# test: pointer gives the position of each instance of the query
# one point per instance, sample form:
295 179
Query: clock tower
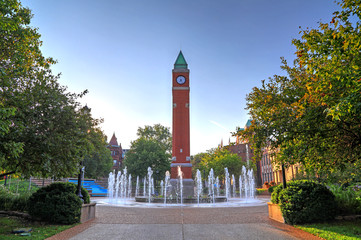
180 130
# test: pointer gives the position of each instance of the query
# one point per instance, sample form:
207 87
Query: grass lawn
39 231
337 230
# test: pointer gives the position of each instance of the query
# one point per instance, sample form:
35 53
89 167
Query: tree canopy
44 130
218 159
313 114
159 133
151 149
98 162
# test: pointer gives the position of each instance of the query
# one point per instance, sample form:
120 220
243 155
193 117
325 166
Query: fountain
120 189
166 185
137 187
161 187
180 177
144 186
211 185
110 185
150 181
233 186
240 186
199 185
218 187
227 182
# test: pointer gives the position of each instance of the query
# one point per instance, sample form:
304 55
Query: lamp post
80 180
284 176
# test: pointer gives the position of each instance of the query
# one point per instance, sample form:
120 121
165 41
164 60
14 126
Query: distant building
267 169
116 152
243 149
124 153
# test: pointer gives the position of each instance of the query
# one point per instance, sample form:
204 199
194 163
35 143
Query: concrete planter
87 212
274 212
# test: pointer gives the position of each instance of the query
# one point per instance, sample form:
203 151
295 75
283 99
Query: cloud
218 124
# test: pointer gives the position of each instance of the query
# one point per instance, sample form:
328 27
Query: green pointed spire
180 63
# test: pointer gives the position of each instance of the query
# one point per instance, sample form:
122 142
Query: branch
8 173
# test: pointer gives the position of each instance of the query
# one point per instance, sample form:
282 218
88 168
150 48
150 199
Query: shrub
305 202
347 199
85 194
276 194
56 203
271 188
272 183
260 191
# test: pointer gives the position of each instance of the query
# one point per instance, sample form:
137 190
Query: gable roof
113 140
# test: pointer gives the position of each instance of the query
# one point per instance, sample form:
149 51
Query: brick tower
180 134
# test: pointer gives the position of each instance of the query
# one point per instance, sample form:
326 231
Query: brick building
243 149
116 152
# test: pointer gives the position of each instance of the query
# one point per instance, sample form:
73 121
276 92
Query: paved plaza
182 223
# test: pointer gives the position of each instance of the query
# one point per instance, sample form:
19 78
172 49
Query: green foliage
159 133
348 199
271 188
13 202
20 186
260 191
99 162
10 149
340 230
312 116
56 203
306 202
86 196
218 159
49 134
275 197
149 150
196 162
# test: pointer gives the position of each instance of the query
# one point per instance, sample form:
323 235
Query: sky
123 52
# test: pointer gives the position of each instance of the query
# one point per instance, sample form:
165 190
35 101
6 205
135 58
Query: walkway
182 224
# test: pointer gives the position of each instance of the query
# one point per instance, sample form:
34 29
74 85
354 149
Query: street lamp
80 180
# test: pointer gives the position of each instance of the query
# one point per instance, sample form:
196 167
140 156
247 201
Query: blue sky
123 52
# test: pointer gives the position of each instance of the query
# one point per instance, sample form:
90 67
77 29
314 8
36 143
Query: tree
10 149
48 134
151 149
196 162
312 116
146 153
218 159
158 133
98 162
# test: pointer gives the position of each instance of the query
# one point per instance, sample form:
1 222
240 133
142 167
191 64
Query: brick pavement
182 223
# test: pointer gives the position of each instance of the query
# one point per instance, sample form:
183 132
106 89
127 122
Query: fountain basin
185 200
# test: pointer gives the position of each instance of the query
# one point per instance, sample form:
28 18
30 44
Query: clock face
181 79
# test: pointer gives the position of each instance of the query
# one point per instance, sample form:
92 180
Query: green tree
196 162
312 116
9 149
218 159
98 163
49 130
151 149
146 153
159 133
